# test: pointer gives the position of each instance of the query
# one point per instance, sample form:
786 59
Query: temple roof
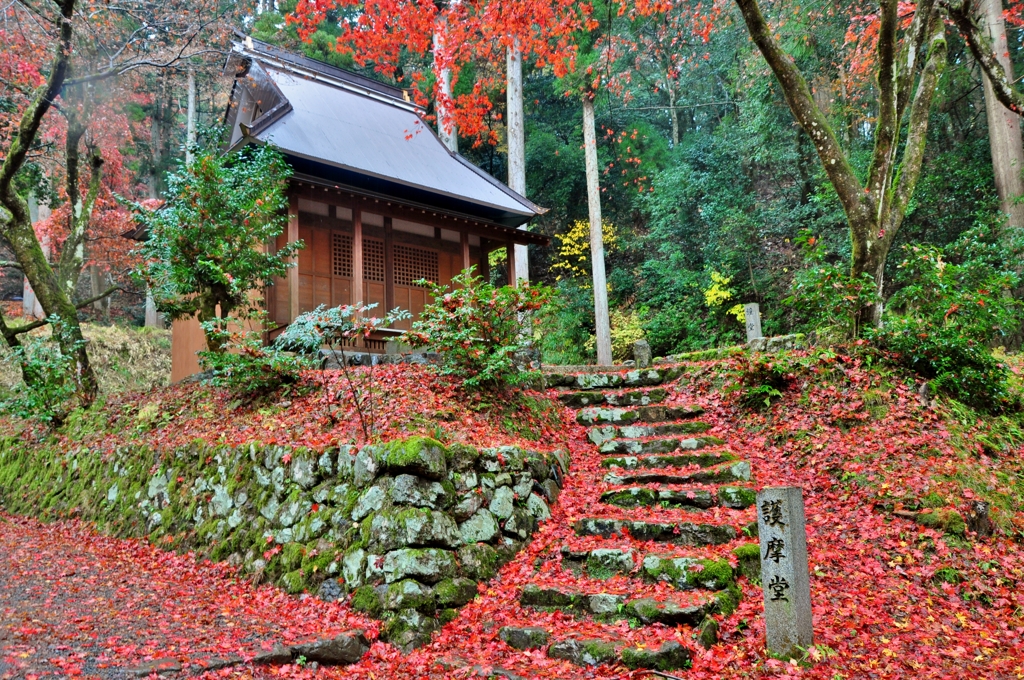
350 130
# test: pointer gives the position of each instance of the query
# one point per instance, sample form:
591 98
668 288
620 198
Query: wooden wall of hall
325 266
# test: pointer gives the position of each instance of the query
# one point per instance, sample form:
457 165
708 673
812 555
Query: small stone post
752 313
642 353
787 593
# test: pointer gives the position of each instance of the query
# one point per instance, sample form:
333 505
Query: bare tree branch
11 332
963 14
798 95
917 125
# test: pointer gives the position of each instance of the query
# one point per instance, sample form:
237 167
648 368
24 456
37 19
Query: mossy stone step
662 445
581 651
646 377
680 533
738 471
687 573
605 433
680 571
642 496
735 497
704 460
644 414
671 610
632 398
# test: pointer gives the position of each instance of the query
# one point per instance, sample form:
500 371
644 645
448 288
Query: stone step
679 533
581 651
738 471
605 433
594 415
645 377
735 497
672 610
662 445
680 571
632 398
704 460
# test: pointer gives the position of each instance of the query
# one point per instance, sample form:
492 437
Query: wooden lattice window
412 264
341 251
373 260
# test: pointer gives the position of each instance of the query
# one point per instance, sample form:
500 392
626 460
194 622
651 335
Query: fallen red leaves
72 600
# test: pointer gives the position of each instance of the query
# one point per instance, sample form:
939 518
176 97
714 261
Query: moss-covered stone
585 652
631 498
409 594
292 554
748 558
455 592
949 521
400 527
605 563
523 638
667 611
707 633
462 457
367 599
727 599
420 456
670 656
409 629
686 573
429 565
478 561
294 581
736 497
548 598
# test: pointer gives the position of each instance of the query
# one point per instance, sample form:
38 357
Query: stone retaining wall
408 527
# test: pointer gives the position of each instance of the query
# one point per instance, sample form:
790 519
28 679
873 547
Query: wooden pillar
464 239
357 256
510 248
485 266
389 266
293 272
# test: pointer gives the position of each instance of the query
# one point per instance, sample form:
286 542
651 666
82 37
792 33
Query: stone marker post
787 593
642 353
752 313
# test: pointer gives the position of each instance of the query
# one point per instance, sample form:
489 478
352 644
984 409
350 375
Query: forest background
712 195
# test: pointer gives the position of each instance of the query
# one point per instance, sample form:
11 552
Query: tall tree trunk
95 288
673 110
445 125
1004 135
603 326
190 120
517 143
156 153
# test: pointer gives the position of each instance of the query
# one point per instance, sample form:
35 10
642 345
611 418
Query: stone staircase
658 459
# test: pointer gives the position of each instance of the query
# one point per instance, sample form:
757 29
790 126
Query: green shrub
955 363
248 368
953 304
201 258
48 392
478 328
826 294
565 327
761 381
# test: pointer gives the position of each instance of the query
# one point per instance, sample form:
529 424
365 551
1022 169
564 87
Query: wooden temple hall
376 197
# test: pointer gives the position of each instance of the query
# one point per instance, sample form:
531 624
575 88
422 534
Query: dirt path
77 604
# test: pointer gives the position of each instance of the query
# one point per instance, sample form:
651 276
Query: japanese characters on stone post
752 314
784 576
